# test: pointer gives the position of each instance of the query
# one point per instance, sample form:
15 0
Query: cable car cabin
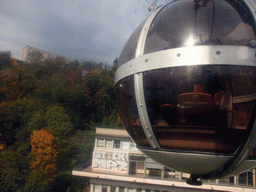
189 116
186 86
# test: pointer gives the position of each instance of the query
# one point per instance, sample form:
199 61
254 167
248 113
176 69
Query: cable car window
129 112
128 52
189 23
200 108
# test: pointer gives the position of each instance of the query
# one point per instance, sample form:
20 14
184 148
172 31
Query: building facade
29 52
118 166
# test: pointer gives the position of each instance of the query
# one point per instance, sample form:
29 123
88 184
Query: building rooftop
107 132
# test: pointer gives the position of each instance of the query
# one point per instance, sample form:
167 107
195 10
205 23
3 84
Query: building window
100 142
113 189
109 143
169 173
117 144
126 145
136 165
246 178
132 168
121 189
96 188
153 168
130 189
104 188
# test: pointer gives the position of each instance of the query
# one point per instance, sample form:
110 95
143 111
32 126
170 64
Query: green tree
57 122
115 62
55 97
5 59
13 169
74 65
36 57
90 65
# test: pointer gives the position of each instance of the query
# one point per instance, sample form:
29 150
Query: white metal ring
186 56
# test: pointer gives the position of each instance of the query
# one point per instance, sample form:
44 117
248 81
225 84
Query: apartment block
28 52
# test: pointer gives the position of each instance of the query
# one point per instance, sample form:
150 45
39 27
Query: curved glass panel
252 154
128 111
202 22
200 108
128 52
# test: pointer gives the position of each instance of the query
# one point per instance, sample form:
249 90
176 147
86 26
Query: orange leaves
14 91
43 148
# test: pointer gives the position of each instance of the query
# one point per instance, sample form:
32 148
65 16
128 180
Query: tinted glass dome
190 107
195 22
206 22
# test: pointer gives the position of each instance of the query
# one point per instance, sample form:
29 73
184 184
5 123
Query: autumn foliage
45 154
45 109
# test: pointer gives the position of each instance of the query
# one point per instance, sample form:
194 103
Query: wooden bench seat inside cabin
198 139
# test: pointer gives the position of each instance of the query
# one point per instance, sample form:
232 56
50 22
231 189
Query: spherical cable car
186 87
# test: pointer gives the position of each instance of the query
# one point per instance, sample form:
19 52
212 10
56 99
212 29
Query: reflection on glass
128 52
202 22
252 154
200 108
129 112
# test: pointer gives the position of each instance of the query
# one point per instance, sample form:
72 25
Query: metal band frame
252 6
138 84
143 114
185 56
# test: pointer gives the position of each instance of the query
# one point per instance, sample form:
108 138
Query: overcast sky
77 29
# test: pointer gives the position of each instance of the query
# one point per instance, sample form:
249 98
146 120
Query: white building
118 166
28 51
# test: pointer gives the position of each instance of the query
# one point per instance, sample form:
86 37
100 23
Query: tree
74 65
13 92
36 57
5 59
53 101
90 65
44 165
56 121
55 65
115 61
13 169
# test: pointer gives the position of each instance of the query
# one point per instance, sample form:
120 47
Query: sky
94 30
